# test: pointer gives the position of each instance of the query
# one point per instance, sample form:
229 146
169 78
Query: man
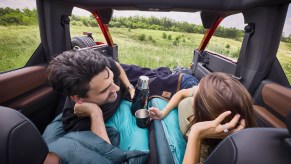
92 83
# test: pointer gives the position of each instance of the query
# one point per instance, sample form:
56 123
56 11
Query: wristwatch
130 87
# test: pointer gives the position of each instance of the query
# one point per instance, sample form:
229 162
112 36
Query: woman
219 98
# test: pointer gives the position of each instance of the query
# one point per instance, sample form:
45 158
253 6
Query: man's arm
97 121
124 80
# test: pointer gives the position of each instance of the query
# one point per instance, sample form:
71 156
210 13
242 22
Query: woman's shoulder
186 104
190 91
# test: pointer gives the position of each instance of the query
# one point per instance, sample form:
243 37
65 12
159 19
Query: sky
233 21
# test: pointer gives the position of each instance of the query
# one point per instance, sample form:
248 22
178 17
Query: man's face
102 88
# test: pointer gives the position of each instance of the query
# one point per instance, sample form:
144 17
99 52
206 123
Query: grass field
146 48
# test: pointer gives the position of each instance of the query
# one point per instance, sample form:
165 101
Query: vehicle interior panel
166 5
31 98
43 111
217 63
20 81
275 99
31 104
207 62
265 118
26 91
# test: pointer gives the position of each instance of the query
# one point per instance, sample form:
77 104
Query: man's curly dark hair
71 71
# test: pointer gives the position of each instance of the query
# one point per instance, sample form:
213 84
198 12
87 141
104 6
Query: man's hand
213 129
131 92
155 113
95 113
87 109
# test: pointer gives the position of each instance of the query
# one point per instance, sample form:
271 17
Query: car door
26 90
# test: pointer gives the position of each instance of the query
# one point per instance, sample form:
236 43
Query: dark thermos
141 94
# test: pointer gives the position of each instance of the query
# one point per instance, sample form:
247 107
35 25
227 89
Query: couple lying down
222 106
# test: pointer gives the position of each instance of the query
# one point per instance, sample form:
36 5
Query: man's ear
77 99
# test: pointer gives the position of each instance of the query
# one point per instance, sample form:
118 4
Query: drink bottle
141 94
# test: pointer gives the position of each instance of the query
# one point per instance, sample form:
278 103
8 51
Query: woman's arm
192 153
124 80
209 129
174 102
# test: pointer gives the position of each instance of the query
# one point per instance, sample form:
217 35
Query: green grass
17 44
156 52
284 56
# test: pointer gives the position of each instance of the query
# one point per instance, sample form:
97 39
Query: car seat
255 145
20 140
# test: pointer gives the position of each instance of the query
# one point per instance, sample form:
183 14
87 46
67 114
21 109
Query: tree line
166 24
26 16
154 23
10 16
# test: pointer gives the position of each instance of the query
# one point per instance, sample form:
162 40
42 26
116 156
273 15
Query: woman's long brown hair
219 92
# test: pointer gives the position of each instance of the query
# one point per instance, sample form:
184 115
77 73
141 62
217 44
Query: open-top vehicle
258 69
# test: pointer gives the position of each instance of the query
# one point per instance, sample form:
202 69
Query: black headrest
253 145
20 140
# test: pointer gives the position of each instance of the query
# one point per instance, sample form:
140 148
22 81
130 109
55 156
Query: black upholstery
20 141
254 145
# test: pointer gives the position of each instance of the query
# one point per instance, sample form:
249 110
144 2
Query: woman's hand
209 129
87 109
213 129
155 113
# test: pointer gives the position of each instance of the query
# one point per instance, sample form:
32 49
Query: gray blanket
86 147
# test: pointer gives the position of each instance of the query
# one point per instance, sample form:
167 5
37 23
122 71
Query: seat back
20 140
255 145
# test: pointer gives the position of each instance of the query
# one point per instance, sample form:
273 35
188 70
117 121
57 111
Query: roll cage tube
208 34
104 28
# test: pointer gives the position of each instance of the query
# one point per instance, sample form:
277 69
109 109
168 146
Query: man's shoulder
113 67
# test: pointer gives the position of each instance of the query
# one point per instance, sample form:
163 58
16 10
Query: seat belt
249 31
66 25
